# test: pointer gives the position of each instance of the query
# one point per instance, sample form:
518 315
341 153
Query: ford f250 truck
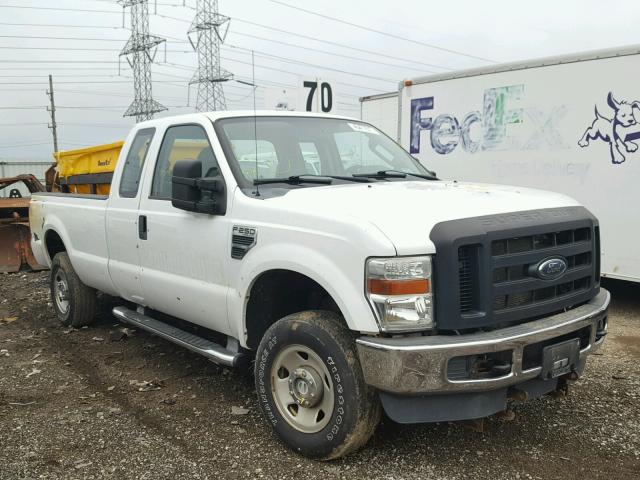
351 276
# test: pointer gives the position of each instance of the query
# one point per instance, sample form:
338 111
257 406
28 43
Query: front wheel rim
61 292
302 389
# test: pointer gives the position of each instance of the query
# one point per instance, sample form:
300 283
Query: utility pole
211 30
140 52
52 108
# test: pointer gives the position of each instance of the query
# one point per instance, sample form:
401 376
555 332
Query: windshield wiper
310 178
393 174
296 180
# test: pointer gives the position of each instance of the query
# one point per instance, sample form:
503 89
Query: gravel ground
87 404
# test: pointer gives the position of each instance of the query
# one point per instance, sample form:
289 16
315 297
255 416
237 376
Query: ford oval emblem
551 268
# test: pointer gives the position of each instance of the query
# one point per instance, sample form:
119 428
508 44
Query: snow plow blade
15 235
15 249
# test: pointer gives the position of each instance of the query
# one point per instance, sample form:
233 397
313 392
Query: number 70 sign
319 96
311 96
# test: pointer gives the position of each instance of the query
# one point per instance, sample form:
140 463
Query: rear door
122 218
184 254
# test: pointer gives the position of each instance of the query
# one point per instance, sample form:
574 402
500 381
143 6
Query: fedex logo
486 130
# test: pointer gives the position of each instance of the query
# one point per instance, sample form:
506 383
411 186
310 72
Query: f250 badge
243 238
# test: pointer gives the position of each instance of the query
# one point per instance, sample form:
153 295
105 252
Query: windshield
282 147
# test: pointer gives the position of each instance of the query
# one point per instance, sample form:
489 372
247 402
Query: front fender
330 272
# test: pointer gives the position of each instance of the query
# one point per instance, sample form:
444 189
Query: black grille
467 272
487 267
518 287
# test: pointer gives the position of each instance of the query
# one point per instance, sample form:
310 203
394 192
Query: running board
209 349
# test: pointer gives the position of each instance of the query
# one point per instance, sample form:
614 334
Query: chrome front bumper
419 365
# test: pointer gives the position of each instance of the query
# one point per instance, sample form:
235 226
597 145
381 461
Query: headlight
399 290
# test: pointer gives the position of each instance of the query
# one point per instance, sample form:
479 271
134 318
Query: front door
183 256
122 219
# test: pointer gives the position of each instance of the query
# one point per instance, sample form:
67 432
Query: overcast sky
80 48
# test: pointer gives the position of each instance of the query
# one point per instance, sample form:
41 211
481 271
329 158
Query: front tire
73 301
311 388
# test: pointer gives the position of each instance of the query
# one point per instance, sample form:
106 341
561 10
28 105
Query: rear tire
73 301
311 388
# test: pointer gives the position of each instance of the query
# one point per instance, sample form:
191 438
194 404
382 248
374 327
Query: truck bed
79 219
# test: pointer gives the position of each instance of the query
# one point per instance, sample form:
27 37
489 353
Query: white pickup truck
351 276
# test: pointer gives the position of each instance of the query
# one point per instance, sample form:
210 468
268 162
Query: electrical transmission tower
140 51
211 30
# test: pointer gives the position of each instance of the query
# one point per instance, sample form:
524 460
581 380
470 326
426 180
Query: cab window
182 142
132 170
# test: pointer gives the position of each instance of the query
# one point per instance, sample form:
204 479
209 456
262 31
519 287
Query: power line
73 107
31 107
380 32
84 39
315 65
248 22
25 145
183 5
64 69
259 54
83 82
59 9
105 94
341 45
297 74
59 61
96 125
23 124
62 76
412 61
57 25
349 57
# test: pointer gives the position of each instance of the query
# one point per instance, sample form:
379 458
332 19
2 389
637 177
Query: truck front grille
487 267
514 282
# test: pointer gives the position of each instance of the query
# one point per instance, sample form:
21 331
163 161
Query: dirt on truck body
15 234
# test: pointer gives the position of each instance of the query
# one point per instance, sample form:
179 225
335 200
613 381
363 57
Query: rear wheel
73 301
311 388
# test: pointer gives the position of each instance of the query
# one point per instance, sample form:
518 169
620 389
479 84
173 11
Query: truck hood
405 212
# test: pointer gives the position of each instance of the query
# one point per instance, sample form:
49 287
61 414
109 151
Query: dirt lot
88 404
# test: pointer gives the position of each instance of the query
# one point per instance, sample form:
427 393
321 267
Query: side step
209 349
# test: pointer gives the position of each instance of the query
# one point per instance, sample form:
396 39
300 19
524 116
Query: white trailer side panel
382 112
527 127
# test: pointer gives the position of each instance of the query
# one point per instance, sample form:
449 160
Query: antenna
255 117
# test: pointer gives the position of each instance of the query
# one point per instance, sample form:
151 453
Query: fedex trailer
569 124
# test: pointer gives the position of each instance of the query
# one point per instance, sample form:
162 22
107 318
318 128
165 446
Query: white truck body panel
80 225
524 124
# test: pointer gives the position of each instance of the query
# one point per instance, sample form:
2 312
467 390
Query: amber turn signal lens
398 287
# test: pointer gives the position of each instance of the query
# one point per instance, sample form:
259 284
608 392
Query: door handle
142 227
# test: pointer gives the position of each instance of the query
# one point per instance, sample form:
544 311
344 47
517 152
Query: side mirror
194 193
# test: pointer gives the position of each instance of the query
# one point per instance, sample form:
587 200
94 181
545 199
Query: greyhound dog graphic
611 130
